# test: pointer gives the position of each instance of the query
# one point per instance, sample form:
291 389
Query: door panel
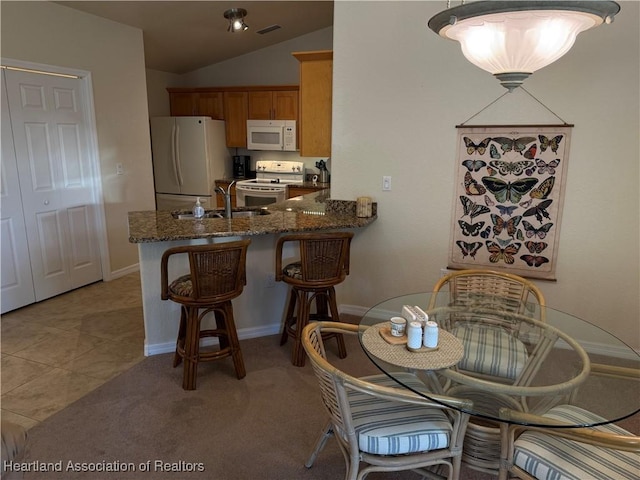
165 175
16 283
55 177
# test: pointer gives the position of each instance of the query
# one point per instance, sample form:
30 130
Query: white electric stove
270 184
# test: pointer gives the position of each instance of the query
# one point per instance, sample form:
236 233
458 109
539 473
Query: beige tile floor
58 350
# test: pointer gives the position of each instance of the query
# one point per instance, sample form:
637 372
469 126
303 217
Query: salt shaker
414 335
430 335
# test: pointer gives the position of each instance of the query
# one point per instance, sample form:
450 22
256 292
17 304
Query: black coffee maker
241 166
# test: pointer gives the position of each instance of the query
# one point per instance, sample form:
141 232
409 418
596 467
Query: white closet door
16 283
56 181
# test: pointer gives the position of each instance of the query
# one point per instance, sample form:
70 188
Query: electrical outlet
119 169
386 183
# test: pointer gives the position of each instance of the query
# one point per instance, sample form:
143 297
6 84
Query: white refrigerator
189 154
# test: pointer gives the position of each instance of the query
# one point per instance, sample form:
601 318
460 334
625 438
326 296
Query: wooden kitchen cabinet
273 105
206 104
234 105
236 108
316 84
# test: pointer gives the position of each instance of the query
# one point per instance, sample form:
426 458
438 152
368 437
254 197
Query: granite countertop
315 211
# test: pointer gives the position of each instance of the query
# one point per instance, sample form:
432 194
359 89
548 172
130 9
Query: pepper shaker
431 335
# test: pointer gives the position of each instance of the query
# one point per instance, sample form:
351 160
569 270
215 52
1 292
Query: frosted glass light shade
511 40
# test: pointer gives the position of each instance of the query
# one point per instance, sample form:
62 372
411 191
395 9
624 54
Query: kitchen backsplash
309 162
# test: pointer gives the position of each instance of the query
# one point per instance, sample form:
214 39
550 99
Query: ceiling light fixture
513 39
236 20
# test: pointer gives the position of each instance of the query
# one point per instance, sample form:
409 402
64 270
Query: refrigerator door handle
173 153
176 159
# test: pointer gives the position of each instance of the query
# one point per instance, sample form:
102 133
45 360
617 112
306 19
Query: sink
235 213
187 215
248 213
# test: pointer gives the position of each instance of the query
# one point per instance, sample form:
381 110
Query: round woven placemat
449 352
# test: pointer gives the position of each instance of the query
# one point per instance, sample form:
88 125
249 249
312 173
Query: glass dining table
513 361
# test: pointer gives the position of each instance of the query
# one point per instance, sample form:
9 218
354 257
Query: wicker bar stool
217 275
324 263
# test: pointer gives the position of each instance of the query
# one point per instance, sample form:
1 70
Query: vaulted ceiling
181 36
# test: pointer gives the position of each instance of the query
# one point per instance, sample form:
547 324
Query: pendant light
513 39
236 20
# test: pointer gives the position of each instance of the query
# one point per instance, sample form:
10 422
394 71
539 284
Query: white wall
399 92
46 33
273 65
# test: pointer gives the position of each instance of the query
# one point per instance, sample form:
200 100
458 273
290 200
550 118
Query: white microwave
271 135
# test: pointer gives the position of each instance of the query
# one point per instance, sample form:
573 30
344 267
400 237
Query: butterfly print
469 248
531 231
471 186
516 168
500 224
539 210
516 144
534 260
543 190
503 242
535 247
491 171
474 165
471 208
526 204
488 202
544 167
509 191
530 171
531 152
485 233
470 229
480 147
553 143
506 254
493 152
504 210
520 235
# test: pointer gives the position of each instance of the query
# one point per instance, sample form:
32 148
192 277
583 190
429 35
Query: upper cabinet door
316 84
211 104
273 105
236 106
260 105
285 105
182 103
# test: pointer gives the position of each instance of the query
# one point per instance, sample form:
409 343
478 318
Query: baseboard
122 272
243 334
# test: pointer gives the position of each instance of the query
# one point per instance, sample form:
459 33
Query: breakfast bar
259 310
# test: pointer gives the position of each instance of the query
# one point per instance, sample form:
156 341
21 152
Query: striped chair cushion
293 270
181 286
490 350
552 458
393 428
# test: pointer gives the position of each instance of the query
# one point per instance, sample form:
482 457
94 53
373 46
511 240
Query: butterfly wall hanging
509 195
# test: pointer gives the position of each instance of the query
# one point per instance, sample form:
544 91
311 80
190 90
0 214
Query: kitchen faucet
227 198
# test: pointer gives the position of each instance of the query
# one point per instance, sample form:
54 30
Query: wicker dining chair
485 353
386 428
604 452
217 275
323 264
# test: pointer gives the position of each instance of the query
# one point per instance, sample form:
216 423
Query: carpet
143 425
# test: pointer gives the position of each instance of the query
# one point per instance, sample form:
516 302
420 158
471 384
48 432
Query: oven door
248 195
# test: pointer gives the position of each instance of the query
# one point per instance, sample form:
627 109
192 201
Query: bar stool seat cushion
549 457
386 427
490 350
293 270
182 286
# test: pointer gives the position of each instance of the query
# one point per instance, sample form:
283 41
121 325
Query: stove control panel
275 166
